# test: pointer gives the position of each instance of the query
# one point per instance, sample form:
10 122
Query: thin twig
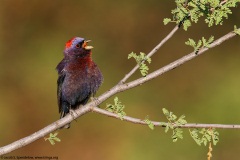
153 51
163 124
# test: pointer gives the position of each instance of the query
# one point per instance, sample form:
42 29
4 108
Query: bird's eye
78 46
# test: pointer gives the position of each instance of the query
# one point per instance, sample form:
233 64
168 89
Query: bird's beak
85 46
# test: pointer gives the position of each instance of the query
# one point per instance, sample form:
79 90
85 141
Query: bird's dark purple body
78 76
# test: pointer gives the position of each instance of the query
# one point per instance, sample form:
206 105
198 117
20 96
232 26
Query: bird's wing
59 90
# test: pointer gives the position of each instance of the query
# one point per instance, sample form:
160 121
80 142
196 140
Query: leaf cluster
141 59
200 44
189 11
236 30
53 138
117 108
149 123
173 124
205 136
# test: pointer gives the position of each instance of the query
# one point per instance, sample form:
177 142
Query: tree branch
119 88
164 124
184 59
153 51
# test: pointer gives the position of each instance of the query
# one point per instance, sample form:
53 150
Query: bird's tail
64 111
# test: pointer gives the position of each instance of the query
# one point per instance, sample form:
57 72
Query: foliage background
32 38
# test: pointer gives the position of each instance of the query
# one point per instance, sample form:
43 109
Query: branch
164 124
118 88
184 59
154 50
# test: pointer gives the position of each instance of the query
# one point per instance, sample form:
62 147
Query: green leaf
165 111
117 108
207 136
211 39
177 133
215 137
194 134
132 54
52 138
204 41
204 140
198 45
236 30
172 117
191 43
173 124
186 24
141 59
181 120
166 128
55 134
51 141
201 43
57 139
149 123
166 21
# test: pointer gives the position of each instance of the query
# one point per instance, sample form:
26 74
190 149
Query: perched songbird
78 76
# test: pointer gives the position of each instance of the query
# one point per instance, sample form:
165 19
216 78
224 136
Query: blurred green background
206 89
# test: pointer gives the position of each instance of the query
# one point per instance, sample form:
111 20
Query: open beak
85 46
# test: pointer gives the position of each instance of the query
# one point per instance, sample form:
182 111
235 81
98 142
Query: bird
79 77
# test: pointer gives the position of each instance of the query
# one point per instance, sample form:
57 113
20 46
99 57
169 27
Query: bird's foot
73 113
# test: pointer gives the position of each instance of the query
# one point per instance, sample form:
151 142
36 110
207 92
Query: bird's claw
72 112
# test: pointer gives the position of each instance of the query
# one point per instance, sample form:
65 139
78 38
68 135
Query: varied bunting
78 76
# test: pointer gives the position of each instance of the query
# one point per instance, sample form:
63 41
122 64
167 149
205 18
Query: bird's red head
77 46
